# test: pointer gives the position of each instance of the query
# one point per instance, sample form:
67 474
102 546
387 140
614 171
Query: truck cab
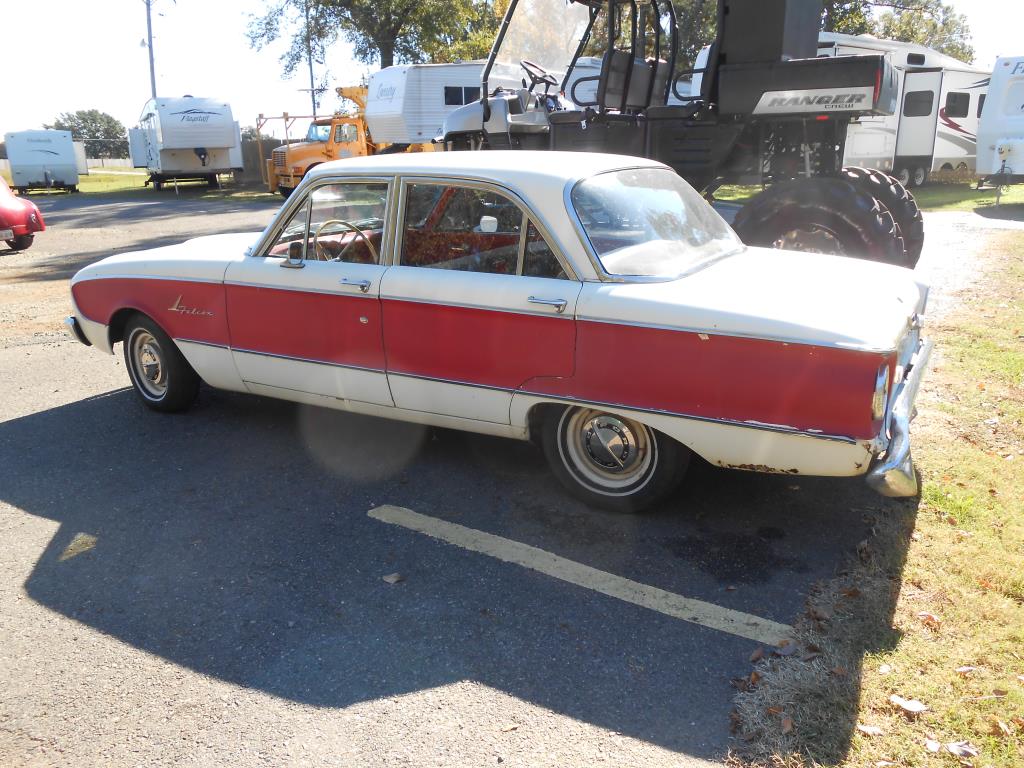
328 138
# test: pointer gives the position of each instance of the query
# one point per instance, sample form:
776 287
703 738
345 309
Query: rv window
915 59
918 103
456 96
958 104
981 104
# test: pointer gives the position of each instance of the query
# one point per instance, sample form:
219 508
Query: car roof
519 166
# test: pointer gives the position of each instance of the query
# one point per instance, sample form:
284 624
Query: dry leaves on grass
998 728
911 707
930 620
932 745
869 730
963 749
965 670
787 724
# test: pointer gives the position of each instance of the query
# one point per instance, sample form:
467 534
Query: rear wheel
899 202
903 176
822 215
919 176
610 461
21 242
159 372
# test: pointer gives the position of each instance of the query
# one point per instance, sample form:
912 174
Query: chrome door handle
558 304
362 285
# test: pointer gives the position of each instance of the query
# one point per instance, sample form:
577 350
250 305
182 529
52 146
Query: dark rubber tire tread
671 463
21 242
901 204
862 225
182 380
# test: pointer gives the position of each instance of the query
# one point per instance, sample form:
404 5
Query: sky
66 55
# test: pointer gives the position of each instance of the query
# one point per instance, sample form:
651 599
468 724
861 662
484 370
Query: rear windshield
648 222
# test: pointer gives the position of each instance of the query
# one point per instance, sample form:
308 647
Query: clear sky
64 55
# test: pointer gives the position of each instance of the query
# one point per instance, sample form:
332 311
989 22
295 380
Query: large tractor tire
822 215
901 204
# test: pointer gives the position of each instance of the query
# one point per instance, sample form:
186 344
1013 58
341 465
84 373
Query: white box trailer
1001 132
42 160
936 125
188 138
408 103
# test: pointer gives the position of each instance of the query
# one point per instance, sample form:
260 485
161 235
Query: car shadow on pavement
234 541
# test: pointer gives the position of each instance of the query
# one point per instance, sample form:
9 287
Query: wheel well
535 419
115 329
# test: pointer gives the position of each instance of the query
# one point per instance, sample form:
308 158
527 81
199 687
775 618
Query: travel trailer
186 139
42 160
936 125
1001 132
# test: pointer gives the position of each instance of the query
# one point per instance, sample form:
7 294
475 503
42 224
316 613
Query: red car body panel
18 214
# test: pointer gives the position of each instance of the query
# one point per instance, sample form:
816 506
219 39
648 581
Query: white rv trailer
42 160
1001 133
80 160
190 138
407 103
936 126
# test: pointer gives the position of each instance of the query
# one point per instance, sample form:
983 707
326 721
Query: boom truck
768 113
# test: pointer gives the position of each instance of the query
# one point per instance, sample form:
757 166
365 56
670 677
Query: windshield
545 32
648 222
318 132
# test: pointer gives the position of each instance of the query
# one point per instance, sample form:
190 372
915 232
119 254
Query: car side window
538 259
467 229
342 221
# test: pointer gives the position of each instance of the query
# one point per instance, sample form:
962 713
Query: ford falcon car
594 304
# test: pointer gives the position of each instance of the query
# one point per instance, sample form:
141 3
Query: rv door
915 141
137 147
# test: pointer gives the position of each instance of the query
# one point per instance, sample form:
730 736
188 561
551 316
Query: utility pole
309 59
149 45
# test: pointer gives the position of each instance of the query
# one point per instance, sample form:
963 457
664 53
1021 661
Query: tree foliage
929 22
104 135
380 31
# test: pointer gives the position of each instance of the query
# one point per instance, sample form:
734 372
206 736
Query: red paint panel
795 385
184 309
324 327
496 349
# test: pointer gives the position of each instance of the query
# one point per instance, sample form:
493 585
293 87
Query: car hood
201 258
794 297
15 211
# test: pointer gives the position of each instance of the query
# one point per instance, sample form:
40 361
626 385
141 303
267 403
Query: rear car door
304 311
479 303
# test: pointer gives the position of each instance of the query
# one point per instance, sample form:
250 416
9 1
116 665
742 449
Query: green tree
850 17
380 31
104 135
929 22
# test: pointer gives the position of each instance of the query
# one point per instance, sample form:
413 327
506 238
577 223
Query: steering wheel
537 74
321 252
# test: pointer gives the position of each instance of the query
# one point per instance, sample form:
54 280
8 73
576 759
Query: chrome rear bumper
893 473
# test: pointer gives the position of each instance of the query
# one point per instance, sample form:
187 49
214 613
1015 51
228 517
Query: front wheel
610 461
21 242
159 372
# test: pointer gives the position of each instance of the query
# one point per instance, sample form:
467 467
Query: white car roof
513 167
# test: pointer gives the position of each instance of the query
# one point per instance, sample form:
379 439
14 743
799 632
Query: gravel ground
206 590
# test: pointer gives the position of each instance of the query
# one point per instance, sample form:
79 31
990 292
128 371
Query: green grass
932 197
132 182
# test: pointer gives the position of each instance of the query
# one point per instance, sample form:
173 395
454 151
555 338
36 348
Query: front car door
304 309
478 305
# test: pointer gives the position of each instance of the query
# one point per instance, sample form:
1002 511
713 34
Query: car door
304 310
478 305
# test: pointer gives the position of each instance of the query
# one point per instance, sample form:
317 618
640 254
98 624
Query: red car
19 219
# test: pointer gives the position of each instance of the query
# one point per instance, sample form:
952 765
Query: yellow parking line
679 607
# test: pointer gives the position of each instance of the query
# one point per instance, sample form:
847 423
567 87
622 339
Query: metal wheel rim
607 452
812 240
148 364
919 176
903 176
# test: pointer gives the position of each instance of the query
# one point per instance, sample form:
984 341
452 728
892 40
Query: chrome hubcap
147 359
606 451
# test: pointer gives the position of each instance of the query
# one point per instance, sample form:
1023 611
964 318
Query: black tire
285 192
822 215
158 185
900 203
172 385
662 461
213 182
903 176
918 177
21 242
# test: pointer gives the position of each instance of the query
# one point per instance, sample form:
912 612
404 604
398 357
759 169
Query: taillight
878 85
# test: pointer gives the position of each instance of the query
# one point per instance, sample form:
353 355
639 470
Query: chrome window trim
588 247
299 197
489 186
293 289
480 307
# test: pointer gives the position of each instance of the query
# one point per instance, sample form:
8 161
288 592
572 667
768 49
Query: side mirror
488 224
294 260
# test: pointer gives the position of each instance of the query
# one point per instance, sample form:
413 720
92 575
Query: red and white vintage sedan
593 303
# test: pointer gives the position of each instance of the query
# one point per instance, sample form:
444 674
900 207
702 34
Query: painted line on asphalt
705 614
